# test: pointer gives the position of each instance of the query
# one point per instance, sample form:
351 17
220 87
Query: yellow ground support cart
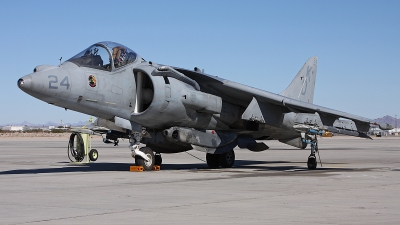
78 148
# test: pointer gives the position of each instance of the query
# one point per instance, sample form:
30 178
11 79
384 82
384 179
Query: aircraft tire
93 155
139 161
157 159
312 162
212 160
227 159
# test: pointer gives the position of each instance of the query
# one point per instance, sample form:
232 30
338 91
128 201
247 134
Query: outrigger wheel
312 162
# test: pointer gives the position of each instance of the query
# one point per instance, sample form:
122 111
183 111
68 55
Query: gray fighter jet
170 109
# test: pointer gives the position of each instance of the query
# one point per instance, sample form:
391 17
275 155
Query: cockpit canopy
105 56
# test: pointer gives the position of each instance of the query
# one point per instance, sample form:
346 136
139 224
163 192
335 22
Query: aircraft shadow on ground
106 167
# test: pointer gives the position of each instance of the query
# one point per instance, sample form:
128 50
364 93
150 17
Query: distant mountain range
386 119
390 120
26 123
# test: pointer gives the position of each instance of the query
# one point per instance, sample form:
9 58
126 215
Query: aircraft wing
244 95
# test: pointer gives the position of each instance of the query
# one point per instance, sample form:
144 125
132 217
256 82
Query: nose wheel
147 164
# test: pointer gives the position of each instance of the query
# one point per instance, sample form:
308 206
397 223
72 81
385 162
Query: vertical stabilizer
302 86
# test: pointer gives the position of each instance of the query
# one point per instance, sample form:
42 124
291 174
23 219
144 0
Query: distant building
13 128
395 131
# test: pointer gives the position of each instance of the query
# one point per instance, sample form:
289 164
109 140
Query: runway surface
359 183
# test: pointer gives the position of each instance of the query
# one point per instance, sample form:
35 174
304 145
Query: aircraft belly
274 133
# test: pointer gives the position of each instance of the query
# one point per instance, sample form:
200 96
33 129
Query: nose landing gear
148 163
143 156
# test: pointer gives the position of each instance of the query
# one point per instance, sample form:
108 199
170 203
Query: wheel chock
156 168
136 168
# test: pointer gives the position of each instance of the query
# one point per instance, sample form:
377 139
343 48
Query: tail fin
302 86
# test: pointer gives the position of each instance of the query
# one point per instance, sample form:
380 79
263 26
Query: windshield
104 56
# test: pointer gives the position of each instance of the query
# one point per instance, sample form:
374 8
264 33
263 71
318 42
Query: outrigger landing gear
313 141
309 134
312 160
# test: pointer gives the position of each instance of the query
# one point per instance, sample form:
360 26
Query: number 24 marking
54 81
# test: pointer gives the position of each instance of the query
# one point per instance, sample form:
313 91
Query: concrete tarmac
359 183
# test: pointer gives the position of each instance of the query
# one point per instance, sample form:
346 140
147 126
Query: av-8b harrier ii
170 109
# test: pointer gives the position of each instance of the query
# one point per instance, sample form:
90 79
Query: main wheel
212 160
227 159
93 155
157 159
312 162
147 165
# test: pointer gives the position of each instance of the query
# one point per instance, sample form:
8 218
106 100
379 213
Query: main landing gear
225 160
146 158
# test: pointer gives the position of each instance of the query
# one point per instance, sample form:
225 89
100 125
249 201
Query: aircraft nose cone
25 82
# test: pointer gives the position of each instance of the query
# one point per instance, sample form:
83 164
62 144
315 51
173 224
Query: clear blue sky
262 44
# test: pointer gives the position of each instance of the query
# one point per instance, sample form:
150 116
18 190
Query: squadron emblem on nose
92 81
